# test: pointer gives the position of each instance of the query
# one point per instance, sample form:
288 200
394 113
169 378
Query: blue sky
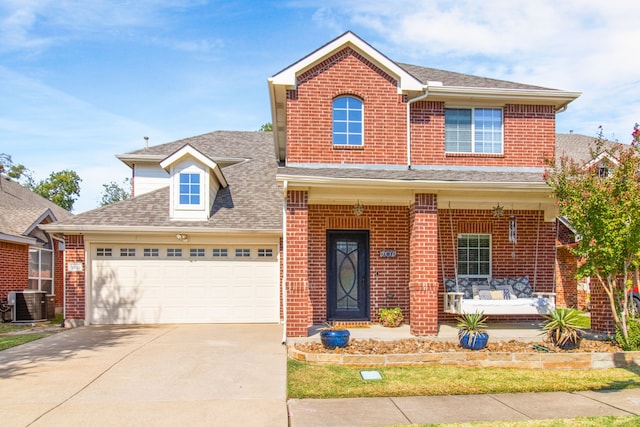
83 80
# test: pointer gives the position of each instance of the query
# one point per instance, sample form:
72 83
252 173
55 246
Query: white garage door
187 284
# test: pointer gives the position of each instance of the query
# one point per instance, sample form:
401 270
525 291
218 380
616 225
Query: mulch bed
413 345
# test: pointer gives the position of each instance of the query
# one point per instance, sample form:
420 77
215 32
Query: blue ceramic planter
334 338
474 342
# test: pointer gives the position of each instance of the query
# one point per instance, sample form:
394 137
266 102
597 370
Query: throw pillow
521 286
475 289
484 294
497 294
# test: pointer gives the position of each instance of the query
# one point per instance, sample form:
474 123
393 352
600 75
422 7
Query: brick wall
309 113
423 281
508 260
75 281
58 279
601 314
14 268
298 302
389 277
566 282
529 137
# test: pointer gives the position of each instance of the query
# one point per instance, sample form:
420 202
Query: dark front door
348 275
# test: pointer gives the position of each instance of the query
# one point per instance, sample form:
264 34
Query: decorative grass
9 341
307 380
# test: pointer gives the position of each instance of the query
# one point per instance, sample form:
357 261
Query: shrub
633 326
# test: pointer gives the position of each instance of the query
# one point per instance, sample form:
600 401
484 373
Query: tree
267 127
62 188
113 192
16 172
601 199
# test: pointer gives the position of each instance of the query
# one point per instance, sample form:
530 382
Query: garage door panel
172 290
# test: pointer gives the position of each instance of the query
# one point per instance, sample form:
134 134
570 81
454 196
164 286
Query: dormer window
190 189
347 121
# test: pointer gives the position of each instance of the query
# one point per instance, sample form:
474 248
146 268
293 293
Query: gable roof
578 147
250 202
188 150
412 80
21 210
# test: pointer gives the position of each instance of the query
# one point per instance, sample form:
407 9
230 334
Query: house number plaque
388 253
74 266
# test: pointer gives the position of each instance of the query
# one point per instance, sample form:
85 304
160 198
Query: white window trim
476 276
347 133
192 170
473 129
39 277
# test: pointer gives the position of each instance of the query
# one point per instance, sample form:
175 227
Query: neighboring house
387 179
30 258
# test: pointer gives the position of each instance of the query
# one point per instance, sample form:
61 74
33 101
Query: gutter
409 102
284 260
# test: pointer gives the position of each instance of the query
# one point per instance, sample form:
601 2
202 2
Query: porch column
298 301
601 315
423 265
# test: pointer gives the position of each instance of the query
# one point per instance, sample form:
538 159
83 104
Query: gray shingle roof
449 78
20 208
436 175
577 147
252 201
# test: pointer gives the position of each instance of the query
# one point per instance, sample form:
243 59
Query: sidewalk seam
577 393
495 397
98 376
401 411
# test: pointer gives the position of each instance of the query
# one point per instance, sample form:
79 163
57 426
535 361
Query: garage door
186 284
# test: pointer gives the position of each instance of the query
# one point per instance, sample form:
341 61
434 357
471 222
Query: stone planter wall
480 359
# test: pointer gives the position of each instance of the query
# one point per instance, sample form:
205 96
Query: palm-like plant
471 326
562 327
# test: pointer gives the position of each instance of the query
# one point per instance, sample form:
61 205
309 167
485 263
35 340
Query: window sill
348 147
485 155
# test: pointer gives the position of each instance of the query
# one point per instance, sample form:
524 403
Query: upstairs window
347 121
189 189
473 130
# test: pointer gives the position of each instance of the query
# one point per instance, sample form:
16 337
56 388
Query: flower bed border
480 359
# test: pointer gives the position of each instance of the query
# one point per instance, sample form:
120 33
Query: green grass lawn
9 341
574 422
307 380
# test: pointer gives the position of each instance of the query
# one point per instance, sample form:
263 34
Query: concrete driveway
165 375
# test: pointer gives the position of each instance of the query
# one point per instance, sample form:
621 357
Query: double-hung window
473 130
41 269
347 121
474 255
189 189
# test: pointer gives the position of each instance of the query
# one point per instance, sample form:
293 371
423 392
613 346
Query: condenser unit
28 306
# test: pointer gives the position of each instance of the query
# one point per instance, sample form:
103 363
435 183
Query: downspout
409 102
284 261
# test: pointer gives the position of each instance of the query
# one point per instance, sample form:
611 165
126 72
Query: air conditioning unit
28 305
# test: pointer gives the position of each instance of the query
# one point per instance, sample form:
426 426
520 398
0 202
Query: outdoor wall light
183 237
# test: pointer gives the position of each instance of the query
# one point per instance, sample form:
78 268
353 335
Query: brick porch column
75 289
423 265
298 301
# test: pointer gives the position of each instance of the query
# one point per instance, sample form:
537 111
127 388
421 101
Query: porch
527 331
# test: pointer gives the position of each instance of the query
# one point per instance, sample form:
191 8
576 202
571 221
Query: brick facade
75 281
309 113
14 268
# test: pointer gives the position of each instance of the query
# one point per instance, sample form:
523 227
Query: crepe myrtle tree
601 200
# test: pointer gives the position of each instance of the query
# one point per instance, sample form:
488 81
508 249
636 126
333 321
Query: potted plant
391 317
332 337
471 330
562 328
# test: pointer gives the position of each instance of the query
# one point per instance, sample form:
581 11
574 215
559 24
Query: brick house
30 258
392 185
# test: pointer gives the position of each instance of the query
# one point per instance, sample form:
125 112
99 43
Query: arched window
347 121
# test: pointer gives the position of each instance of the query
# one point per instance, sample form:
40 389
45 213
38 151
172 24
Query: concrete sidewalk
387 411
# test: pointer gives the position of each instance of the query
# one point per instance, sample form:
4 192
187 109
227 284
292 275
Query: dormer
195 180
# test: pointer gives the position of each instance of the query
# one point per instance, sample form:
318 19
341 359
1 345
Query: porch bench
508 296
